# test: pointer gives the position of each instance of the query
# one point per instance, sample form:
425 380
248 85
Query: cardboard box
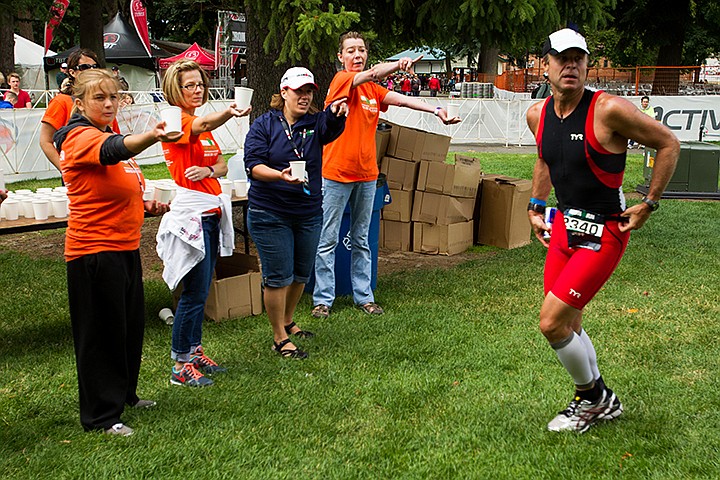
441 209
478 202
400 210
400 174
442 239
503 212
236 288
382 138
415 145
459 180
396 235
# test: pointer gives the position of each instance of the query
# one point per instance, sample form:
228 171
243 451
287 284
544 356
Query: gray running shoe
580 414
120 429
615 409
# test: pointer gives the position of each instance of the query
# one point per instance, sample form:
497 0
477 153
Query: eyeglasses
87 66
191 87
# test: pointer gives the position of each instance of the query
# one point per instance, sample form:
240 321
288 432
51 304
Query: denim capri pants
287 245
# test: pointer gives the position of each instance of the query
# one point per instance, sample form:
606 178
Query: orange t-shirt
351 158
106 204
192 150
59 111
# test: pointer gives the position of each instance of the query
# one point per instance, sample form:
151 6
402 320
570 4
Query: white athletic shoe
580 414
614 410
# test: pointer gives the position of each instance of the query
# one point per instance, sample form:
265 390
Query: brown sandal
320 311
372 309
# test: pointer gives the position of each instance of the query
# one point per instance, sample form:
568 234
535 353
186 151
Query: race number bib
584 229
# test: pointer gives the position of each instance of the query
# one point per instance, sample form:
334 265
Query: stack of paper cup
60 207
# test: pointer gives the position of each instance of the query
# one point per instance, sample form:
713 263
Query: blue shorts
286 244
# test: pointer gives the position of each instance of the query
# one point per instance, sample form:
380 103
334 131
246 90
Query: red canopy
194 52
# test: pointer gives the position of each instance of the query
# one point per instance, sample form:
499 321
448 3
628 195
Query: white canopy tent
29 63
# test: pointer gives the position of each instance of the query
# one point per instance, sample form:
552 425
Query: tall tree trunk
7 42
487 63
667 82
262 73
91 28
24 25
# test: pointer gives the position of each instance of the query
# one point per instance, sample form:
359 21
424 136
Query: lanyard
288 132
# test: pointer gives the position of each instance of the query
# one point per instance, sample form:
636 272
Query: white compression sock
592 356
573 355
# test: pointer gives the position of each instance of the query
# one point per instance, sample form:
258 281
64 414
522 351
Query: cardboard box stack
407 150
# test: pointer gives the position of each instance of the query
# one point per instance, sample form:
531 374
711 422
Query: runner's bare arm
541 184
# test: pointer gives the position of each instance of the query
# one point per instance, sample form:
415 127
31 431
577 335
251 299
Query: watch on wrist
651 203
536 207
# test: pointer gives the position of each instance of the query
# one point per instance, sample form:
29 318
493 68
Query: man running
582 140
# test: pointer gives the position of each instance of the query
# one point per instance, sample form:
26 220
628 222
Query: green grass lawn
454 381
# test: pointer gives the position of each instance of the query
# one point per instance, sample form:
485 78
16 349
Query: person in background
60 107
9 101
582 148
23 98
285 213
350 169
120 78
434 85
543 90
3 84
61 75
647 110
195 165
102 251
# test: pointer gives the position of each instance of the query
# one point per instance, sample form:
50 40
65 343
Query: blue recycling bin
343 284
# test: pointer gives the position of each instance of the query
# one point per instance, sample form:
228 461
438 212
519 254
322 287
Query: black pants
107 312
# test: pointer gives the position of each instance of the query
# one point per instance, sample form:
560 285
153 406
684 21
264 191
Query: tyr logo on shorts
575 294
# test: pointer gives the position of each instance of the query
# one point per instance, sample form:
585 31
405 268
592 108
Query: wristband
437 111
212 171
538 202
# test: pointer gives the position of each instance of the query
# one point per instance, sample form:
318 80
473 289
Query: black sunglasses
87 66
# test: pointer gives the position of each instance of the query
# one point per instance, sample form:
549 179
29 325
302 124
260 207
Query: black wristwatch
536 207
651 203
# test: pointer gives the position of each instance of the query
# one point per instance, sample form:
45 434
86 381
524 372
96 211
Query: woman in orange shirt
60 107
102 250
195 164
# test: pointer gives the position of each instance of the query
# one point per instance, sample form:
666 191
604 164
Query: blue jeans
360 196
286 245
187 327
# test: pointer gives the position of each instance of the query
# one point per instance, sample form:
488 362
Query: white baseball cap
562 40
64 65
297 77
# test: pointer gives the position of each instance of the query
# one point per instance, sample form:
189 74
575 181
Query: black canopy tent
122 47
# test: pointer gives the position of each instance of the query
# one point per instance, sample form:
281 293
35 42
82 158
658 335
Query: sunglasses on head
86 66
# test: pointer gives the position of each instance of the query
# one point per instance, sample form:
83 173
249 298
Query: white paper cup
227 187
166 315
241 188
298 169
243 97
23 192
12 209
453 110
149 193
41 209
60 189
44 190
163 193
172 116
26 207
60 207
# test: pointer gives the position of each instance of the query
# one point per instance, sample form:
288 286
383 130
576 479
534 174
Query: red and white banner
57 12
139 18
